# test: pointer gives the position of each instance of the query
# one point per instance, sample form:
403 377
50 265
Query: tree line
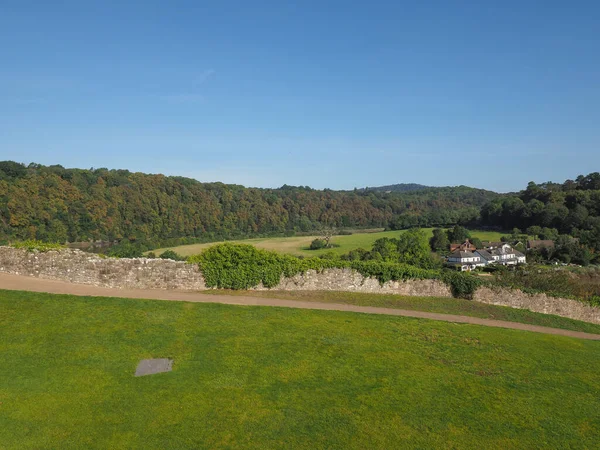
567 213
56 204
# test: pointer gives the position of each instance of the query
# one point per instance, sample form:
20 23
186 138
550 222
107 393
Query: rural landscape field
300 246
258 377
299 225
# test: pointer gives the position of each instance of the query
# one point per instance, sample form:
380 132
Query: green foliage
39 246
127 249
388 271
410 247
52 203
476 242
239 266
242 266
583 284
458 234
439 241
462 284
318 244
170 254
548 210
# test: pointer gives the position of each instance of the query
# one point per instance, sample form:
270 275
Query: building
499 253
507 256
464 260
539 244
464 247
485 256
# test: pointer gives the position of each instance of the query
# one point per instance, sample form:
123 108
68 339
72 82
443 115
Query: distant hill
53 203
401 187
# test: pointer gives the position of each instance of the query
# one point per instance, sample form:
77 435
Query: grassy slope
443 305
299 245
252 377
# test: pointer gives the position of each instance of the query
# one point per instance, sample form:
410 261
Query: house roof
518 253
465 245
462 254
493 244
540 243
501 251
484 254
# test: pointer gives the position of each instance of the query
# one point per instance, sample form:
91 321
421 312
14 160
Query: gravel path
24 283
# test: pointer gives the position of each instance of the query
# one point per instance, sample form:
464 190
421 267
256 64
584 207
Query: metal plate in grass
152 366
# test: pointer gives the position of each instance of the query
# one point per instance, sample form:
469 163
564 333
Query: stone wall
76 266
541 303
352 281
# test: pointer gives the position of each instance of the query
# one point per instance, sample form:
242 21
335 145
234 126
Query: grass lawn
298 245
442 305
260 377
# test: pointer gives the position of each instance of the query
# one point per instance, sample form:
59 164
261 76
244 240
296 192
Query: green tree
458 234
439 241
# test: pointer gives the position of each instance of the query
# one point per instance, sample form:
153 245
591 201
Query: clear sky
336 94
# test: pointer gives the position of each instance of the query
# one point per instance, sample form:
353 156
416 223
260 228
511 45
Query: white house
507 256
465 260
501 253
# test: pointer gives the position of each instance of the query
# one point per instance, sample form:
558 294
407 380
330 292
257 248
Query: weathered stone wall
541 303
352 281
76 266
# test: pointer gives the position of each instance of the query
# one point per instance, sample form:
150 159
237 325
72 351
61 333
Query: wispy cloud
203 77
29 101
182 98
192 95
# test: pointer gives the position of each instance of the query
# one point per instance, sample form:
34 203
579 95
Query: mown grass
258 377
298 245
442 305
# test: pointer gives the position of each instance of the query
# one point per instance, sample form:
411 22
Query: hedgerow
32 245
462 284
241 266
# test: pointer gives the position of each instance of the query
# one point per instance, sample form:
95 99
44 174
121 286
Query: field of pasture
266 377
299 245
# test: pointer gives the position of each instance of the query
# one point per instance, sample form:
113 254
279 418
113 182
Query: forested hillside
402 187
549 209
57 204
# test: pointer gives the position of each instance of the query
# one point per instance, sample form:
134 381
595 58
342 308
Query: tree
386 249
327 233
318 244
476 242
413 248
439 241
534 231
171 254
458 234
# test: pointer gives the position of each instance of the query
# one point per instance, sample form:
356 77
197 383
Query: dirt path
24 283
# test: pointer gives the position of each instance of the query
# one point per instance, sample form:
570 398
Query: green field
260 377
298 245
444 305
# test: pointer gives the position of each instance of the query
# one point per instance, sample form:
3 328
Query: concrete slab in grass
152 366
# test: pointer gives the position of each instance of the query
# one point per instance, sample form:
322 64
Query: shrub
32 245
241 266
318 244
170 254
462 285
126 249
582 284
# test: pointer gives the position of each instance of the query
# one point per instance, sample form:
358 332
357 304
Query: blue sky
321 93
